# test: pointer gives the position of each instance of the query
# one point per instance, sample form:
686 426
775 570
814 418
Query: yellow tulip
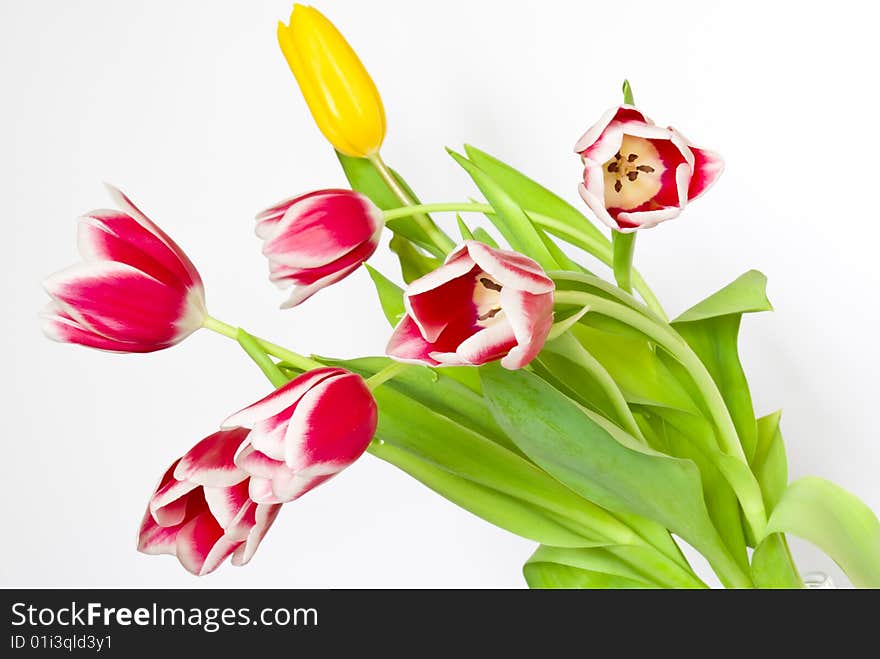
341 95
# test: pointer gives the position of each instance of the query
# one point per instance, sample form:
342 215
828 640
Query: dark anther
645 168
491 285
614 167
489 314
618 186
632 156
632 176
617 156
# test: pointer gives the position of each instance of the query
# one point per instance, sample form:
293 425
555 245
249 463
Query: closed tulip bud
337 88
136 291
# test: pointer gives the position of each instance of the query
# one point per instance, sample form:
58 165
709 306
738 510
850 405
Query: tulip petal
268 435
59 326
290 485
201 546
708 166
430 309
302 293
531 317
264 516
487 345
111 235
260 491
510 268
257 464
171 503
620 113
155 539
458 263
118 301
320 228
211 461
175 258
280 399
408 345
334 422
227 503
646 219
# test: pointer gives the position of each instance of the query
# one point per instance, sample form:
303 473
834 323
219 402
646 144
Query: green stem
261 359
292 358
601 250
440 239
419 209
623 246
385 374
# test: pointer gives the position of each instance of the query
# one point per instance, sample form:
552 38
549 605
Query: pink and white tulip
317 239
136 290
304 433
201 511
638 174
481 305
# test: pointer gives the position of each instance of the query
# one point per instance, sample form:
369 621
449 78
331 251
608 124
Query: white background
190 107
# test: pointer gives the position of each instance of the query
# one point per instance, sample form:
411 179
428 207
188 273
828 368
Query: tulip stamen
624 187
491 285
489 314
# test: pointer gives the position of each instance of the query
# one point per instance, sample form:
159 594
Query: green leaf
689 436
746 294
711 328
485 237
454 392
604 567
627 93
772 566
837 522
363 177
509 218
769 464
443 422
463 229
532 196
572 366
504 511
613 471
635 366
390 295
413 263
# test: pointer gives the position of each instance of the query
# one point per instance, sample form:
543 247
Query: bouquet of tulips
516 383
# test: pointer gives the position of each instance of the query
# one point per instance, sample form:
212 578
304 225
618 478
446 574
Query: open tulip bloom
554 404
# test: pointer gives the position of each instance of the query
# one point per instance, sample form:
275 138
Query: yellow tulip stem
440 239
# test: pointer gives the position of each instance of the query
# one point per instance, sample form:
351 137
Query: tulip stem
406 211
377 379
440 239
623 246
294 359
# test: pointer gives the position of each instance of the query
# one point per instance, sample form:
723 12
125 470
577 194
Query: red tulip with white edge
638 174
136 290
201 511
317 239
483 304
304 433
